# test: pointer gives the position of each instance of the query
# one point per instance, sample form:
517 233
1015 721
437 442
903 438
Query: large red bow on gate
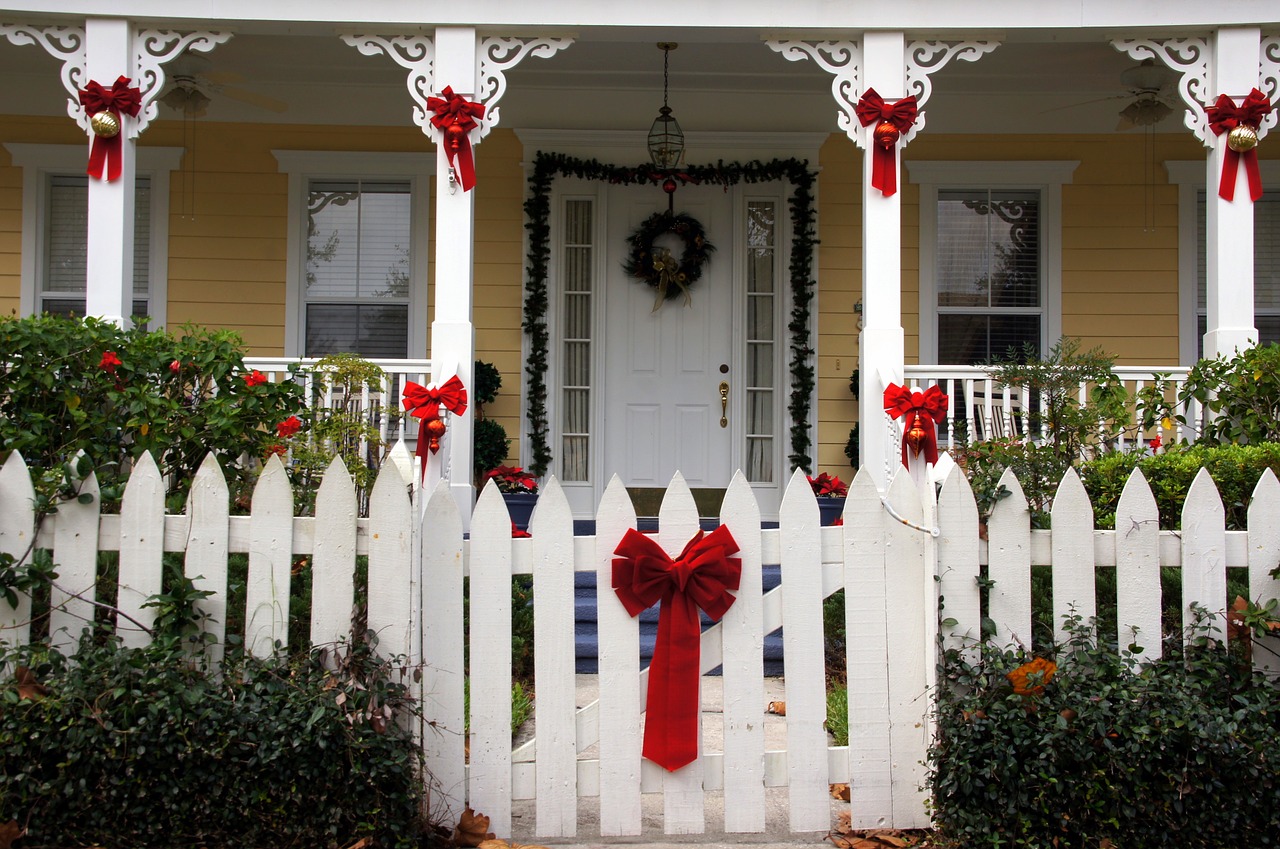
1225 116
455 117
106 149
700 577
930 405
891 120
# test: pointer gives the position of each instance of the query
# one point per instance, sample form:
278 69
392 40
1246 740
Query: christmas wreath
657 266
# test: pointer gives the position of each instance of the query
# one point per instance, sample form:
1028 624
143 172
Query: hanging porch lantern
666 139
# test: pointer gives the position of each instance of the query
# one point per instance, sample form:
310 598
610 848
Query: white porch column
1229 325
453 341
881 344
109 278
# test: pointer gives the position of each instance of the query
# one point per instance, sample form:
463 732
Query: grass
838 714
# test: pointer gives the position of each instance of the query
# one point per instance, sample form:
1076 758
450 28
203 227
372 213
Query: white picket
333 557
684 810
208 506
266 614
443 675
1264 554
743 669
909 584
394 586
75 550
1204 549
553 660
17 536
804 655
958 567
618 636
141 551
1009 564
1138 568
867 652
489 787
1073 558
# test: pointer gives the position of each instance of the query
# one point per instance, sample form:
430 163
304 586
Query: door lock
724 403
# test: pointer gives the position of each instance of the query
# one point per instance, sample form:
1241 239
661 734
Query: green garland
537 209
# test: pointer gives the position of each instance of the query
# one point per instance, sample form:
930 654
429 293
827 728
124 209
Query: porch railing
381 404
982 408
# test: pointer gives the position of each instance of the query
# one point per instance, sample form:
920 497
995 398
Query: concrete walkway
776 816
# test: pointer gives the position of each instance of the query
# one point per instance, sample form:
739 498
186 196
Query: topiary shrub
1108 751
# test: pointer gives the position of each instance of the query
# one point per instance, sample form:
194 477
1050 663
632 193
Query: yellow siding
10 234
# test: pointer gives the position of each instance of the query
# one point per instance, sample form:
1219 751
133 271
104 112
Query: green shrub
1178 752
71 385
1242 392
139 747
838 715
1235 470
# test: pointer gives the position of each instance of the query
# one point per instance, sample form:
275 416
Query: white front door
662 401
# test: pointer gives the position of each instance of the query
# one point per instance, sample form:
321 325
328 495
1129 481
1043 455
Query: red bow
930 405
425 403
455 117
106 150
891 120
699 578
1225 116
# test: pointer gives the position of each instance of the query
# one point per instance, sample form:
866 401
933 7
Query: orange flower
1029 678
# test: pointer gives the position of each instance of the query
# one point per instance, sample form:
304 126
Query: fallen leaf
1029 678
28 686
9 832
362 843
780 708
844 822
840 791
494 844
472 829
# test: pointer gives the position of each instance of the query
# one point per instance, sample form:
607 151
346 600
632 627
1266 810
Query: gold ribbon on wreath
669 273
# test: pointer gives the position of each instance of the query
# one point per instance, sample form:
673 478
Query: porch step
586 641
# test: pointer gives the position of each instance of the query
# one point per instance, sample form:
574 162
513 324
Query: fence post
208 512
333 558
1138 568
75 550
17 534
1073 560
1204 553
142 550
1009 564
1264 553
266 614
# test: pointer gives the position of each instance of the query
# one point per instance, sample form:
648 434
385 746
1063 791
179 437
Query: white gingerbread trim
924 58
1269 79
495 59
152 50
841 59
414 53
1190 58
65 44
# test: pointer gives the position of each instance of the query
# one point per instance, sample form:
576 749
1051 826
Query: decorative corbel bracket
65 44
414 53
841 59
499 55
1189 57
153 49
924 58
1269 80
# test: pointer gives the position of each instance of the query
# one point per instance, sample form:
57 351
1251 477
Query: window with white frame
577 278
55 229
762 303
990 257
357 256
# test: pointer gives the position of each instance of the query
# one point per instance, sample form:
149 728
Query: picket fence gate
893 557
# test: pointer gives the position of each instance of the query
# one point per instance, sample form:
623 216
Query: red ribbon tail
465 165
1230 165
884 173
672 706
1254 175
98 158
423 453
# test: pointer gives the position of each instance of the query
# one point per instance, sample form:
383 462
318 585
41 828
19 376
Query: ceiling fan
1149 85
193 83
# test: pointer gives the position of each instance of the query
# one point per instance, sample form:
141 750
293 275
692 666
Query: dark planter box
830 509
520 506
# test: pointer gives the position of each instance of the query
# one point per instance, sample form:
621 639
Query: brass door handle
724 403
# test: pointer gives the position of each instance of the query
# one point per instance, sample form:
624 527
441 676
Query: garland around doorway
537 208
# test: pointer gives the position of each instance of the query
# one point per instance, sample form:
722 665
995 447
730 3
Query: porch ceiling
723 80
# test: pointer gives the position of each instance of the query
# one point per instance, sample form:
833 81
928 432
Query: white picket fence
886 566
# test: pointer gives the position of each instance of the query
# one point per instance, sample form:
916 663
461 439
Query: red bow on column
1225 116
926 409
106 145
455 117
425 402
891 120
699 578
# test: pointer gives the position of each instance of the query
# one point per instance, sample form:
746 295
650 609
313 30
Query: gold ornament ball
1242 138
105 124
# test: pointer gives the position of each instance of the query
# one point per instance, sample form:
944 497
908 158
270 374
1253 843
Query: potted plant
831 492
519 489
